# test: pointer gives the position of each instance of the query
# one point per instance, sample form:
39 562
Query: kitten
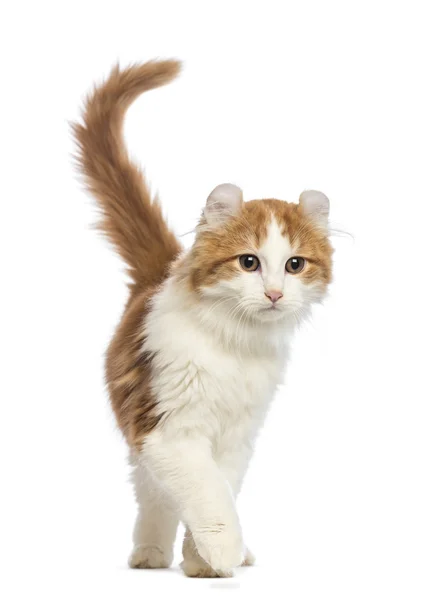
202 344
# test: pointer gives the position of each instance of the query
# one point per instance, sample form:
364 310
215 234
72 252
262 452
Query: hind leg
156 524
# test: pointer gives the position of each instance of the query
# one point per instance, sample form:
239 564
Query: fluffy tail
130 219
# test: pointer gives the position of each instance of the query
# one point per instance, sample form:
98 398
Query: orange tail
131 220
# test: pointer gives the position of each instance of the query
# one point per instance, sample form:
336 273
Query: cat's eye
295 265
249 262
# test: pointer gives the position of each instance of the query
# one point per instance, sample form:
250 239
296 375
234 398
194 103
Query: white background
276 97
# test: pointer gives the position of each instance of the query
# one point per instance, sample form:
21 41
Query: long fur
201 347
130 218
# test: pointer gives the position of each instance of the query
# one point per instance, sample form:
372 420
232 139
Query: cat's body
203 342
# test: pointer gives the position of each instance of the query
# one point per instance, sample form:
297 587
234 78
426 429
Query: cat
204 338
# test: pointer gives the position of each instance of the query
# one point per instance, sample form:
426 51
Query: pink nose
274 295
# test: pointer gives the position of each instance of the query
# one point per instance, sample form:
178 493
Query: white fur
223 202
156 523
218 358
316 205
273 255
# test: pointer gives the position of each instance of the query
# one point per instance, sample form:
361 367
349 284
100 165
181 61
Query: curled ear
315 205
225 201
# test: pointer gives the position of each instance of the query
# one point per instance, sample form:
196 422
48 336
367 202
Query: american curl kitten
202 344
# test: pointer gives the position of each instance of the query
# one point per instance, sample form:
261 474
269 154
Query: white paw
199 568
222 550
249 558
148 557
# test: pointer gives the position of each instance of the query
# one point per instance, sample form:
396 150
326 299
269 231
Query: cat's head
265 260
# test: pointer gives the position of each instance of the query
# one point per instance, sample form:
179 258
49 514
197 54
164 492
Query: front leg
195 566
186 469
233 465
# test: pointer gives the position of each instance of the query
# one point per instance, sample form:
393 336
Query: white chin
271 314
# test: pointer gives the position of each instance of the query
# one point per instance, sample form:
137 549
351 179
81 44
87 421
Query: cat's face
264 260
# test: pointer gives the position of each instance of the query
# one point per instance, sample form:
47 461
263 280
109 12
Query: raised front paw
221 547
194 565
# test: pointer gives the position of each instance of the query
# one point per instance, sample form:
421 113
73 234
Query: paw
249 558
221 549
149 557
197 567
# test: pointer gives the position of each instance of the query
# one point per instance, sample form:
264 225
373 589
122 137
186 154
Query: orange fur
130 218
214 254
134 224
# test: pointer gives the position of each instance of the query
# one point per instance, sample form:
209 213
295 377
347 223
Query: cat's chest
215 390
242 381
203 386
